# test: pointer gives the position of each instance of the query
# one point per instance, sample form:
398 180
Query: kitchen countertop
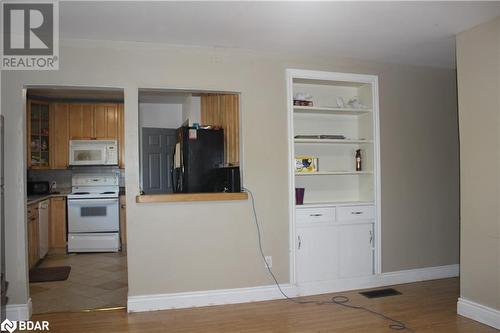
32 199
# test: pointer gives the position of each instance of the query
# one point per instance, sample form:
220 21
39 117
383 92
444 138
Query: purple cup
299 195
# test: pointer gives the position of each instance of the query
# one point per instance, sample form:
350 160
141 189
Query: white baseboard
374 281
254 294
19 312
204 298
478 312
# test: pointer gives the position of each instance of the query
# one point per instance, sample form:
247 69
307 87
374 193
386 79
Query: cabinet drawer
316 215
354 213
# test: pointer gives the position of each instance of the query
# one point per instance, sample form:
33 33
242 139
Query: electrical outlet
269 261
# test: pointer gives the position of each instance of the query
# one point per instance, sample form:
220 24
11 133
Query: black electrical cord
336 300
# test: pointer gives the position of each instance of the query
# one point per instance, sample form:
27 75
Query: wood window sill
189 197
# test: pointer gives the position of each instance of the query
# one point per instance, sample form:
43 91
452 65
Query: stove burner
81 193
109 192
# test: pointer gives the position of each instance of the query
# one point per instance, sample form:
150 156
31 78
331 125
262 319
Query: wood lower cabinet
123 221
57 225
33 247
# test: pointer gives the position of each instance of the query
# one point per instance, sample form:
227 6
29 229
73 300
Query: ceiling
418 33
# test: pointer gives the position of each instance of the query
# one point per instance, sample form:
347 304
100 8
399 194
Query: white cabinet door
356 250
317 253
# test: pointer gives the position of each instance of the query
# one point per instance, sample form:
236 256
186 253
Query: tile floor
96 280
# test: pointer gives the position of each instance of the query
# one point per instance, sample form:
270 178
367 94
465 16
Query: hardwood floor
425 307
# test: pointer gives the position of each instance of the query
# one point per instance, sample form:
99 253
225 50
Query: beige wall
478 65
200 246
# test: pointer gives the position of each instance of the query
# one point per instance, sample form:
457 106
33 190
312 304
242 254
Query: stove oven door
93 215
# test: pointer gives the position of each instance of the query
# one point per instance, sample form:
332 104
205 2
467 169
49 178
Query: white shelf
334 203
333 173
333 141
329 110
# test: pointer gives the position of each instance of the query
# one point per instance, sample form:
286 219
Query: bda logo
8 325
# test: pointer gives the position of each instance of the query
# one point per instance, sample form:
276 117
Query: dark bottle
358 160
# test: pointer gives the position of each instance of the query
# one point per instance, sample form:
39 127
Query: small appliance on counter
227 179
38 187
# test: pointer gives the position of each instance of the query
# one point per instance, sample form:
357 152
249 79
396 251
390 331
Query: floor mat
48 274
380 293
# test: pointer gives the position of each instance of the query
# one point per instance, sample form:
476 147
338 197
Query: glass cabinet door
39 134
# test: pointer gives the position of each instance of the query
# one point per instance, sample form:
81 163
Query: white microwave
93 152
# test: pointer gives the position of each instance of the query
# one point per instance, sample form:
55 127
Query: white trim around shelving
479 312
156 302
378 173
291 175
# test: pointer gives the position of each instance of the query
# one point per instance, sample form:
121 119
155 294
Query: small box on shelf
299 102
306 164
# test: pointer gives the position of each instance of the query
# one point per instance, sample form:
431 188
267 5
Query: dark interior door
158 146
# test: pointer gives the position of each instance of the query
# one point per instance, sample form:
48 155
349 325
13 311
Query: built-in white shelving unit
335 232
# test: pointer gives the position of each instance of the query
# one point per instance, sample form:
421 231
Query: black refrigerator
197 154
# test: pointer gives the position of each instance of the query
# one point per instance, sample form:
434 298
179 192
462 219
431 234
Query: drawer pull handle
315 215
300 243
356 213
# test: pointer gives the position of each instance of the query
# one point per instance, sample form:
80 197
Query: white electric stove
93 213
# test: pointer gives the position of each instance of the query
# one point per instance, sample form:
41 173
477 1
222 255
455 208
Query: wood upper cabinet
106 121
121 136
94 121
59 135
57 224
81 121
50 126
223 110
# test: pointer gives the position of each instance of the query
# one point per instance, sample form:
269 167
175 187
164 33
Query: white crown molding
478 312
264 293
19 312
